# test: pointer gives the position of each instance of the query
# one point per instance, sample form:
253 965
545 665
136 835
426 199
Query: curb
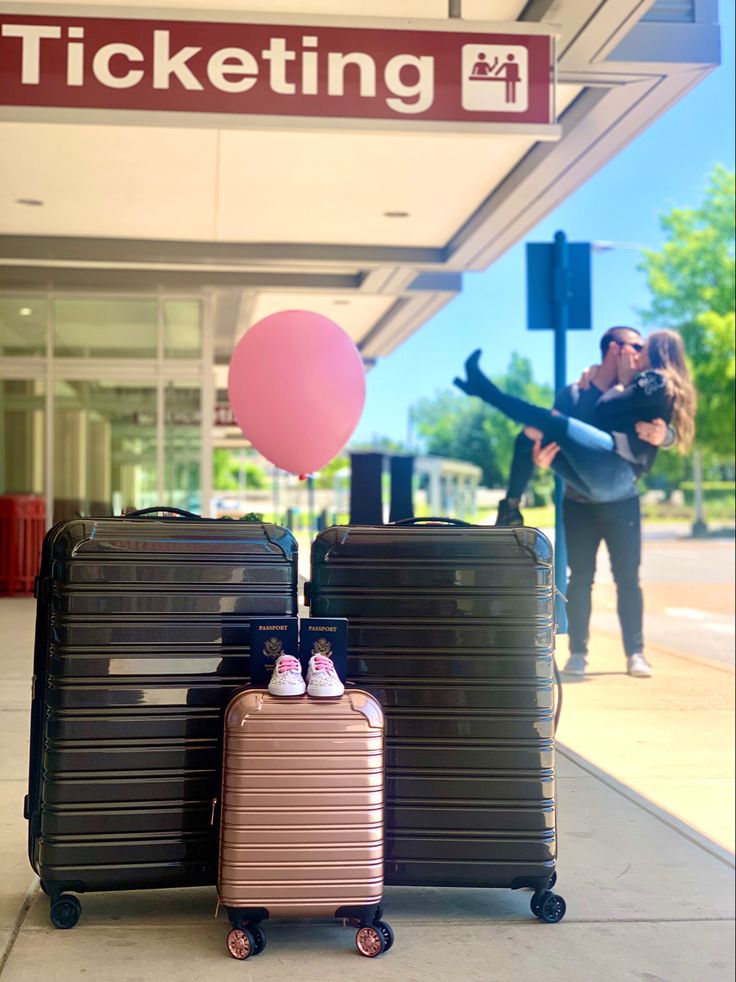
697 838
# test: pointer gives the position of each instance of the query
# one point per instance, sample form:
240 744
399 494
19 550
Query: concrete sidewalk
649 896
669 738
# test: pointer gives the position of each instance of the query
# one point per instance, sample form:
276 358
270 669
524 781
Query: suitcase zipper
212 813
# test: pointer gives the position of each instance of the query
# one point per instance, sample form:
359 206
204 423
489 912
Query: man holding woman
602 434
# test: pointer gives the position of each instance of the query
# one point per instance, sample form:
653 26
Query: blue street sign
548 287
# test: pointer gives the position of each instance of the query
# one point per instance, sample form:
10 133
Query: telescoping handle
161 510
433 521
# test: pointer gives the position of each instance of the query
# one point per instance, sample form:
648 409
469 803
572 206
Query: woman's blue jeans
588 460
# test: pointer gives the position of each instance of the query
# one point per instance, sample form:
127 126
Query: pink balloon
297 389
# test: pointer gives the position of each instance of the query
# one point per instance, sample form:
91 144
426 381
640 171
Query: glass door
104 447
106 401
22 436
182 445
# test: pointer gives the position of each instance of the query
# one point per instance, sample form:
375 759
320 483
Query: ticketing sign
421 73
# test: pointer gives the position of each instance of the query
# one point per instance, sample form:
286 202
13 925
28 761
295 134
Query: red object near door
22 528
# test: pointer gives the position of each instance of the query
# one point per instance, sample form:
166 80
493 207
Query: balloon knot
302 477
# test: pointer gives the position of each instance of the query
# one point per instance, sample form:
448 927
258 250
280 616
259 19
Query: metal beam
221 255
131 280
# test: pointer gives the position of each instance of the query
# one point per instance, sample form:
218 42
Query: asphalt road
688 594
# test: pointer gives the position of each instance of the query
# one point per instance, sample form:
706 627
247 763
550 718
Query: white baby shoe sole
295 688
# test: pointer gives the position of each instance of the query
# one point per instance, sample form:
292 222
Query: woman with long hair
602 461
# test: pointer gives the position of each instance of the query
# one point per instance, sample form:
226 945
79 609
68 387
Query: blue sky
664 167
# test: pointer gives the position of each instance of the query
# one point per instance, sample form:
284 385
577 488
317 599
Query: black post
561 307
366 489
402 498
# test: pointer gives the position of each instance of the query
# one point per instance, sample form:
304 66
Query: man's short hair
615 334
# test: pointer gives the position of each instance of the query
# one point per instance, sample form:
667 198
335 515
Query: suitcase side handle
558 700
455 522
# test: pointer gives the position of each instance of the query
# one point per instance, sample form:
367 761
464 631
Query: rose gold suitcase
301 830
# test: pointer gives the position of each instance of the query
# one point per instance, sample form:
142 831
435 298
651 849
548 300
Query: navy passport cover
326 636
269 638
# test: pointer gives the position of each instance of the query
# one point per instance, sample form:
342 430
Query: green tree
230 471
381 444
224 470
691 281
451 425
326 477
254 476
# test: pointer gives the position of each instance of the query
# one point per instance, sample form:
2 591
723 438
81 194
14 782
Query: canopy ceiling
372 227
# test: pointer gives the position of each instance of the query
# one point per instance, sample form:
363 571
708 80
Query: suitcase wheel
386 932
357 922
259 937
370 941
65 911
548 907
241 944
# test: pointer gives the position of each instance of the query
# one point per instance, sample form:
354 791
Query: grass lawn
533 517
545 517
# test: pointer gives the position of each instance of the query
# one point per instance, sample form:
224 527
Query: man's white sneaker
286 679
322 679
575 664
638 667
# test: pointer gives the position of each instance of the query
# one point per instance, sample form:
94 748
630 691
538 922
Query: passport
324 636
270 637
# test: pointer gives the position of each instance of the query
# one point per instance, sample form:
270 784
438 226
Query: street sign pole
310 505
561 324
559 300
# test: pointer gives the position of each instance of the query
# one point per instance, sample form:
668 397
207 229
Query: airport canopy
369 219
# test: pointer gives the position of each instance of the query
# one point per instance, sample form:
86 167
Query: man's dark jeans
618 523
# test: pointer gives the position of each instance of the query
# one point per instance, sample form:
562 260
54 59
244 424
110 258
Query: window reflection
105 328
104 447
182 329
104 436
182 442
22 436
22 327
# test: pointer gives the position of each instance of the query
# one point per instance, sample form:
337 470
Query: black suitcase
452 628
142 637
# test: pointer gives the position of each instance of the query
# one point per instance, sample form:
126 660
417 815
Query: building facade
147 222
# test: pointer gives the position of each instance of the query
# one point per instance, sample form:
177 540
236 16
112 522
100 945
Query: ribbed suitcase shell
452 628
301 832
142 636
